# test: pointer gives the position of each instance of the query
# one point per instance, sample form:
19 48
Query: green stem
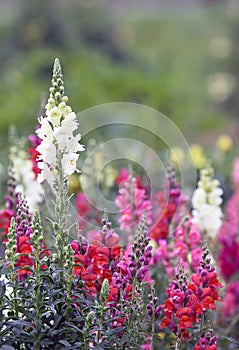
61 210
68 299
178 344
201 325
15 304
101 320
153 330
38 298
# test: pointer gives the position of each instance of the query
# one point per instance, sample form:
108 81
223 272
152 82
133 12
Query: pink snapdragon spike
132 202
124 175
235 174
230 306
185 244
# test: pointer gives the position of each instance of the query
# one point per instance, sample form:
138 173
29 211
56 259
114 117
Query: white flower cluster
206 202
56 132
25 177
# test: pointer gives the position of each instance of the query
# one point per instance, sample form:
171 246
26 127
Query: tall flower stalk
206 203
36 239
59 152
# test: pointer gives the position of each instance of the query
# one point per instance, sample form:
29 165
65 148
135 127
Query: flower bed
172 283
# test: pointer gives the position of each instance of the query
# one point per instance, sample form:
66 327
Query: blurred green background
181 59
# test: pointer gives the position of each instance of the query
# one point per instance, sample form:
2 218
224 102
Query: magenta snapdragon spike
173 187
132 280
23 217
135 262
207 342
229 241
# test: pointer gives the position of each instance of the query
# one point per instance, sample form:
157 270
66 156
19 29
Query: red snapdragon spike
208 303
34 155
98 260
165 322
211 280
187 302
5 219
185 322
35 141
160 230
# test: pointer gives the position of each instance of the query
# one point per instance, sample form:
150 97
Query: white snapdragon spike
206 202
25 177
57 133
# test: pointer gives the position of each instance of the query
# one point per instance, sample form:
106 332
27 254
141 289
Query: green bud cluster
10 253
69 258
206 179
141 232
57 87
90 317
37 236
105 290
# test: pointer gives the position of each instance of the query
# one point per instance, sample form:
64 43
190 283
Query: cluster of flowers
132 202
188 301
121 278
228 256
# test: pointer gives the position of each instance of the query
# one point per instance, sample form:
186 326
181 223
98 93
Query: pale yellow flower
177 155
73 183
224 143
199 158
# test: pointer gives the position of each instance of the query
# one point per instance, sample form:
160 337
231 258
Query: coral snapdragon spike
97 261
5 220
189 300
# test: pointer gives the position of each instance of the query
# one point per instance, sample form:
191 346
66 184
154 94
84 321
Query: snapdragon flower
25 176
206 202
57 133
